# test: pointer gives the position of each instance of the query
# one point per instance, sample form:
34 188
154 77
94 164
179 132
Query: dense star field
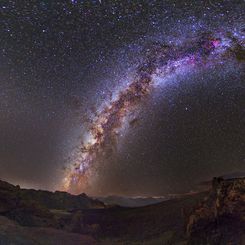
121 97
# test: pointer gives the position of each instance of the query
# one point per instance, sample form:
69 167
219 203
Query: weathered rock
220 218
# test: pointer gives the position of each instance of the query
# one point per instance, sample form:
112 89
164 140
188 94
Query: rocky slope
40 208
41 217
50 200
32 215
220 218
11 233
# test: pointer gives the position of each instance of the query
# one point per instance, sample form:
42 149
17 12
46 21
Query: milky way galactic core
121 97
161 61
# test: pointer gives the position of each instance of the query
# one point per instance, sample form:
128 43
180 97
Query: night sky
121 97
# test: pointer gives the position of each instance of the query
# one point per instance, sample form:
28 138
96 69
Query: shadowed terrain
42 217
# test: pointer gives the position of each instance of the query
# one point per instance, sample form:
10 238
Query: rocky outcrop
220 218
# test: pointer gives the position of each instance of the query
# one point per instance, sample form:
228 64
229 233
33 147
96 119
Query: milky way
122 97
161 60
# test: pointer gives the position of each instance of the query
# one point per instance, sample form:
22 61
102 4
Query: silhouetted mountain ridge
47 199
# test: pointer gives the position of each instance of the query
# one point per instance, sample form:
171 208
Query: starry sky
121 97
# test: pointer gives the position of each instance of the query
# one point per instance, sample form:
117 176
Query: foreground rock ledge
220 218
